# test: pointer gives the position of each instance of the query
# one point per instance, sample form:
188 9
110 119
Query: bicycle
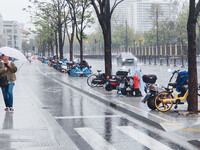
95 80
175 95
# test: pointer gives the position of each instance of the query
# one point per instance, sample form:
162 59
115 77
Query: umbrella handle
20 67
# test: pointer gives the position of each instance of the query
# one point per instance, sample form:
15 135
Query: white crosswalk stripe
94 139
143 138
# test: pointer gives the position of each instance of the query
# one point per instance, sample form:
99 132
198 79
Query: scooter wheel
151 103
108 88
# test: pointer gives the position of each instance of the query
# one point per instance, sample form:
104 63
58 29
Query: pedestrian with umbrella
8 69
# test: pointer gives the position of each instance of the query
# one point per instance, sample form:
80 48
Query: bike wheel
160 104
90 80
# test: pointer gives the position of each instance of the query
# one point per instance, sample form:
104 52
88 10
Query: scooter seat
98 70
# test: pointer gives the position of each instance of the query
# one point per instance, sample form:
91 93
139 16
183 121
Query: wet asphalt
75 112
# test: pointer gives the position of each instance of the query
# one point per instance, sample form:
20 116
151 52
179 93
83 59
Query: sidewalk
169 121
29 127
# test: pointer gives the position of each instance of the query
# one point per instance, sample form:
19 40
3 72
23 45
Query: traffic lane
98 116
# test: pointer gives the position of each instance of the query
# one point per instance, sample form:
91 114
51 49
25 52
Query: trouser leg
5 95
10 94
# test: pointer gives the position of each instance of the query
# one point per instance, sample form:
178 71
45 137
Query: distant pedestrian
8 69
29 59
136 85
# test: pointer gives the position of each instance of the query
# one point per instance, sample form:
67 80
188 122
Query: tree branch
197 10
114 6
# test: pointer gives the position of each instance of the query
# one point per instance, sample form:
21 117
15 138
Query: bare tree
104 14
82 18
73 9
59 7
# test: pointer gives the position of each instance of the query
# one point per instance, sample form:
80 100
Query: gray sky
12 10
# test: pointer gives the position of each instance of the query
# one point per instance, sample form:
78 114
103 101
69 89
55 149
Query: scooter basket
149 78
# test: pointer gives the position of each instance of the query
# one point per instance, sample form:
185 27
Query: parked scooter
151 89
126 86
112 84
117 81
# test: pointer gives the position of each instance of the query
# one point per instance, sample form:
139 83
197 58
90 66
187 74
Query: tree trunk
48 50
107 56
52 51
198 40
192 66
60 42
56 43
107 41
71 43
81 52
43 49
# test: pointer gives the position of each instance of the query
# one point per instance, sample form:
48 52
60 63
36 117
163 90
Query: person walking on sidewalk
8 69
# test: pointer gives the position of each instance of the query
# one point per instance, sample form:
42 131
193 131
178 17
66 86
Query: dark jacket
10 72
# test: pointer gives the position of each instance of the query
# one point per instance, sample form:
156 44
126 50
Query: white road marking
94 139
75 117
143 138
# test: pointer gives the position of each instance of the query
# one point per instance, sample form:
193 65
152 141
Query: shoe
6 109
11 109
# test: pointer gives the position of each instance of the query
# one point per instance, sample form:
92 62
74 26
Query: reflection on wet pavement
76 113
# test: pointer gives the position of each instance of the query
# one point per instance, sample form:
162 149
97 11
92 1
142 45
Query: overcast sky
12 10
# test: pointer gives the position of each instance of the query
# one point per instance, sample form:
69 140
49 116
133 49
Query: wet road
89 123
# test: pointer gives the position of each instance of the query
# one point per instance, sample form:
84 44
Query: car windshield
129 62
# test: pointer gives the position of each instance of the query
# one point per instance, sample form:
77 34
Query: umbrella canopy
14 53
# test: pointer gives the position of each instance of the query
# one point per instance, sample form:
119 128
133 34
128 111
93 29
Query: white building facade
12 35
138 13
1 30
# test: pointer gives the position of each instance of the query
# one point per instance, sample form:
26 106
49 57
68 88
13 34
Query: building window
15 37
9 42
9 31
10 37
15 31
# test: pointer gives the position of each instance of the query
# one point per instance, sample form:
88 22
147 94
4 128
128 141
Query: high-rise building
138 13
121 12
12 34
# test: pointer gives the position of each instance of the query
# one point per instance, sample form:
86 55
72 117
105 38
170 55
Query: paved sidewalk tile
25 127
